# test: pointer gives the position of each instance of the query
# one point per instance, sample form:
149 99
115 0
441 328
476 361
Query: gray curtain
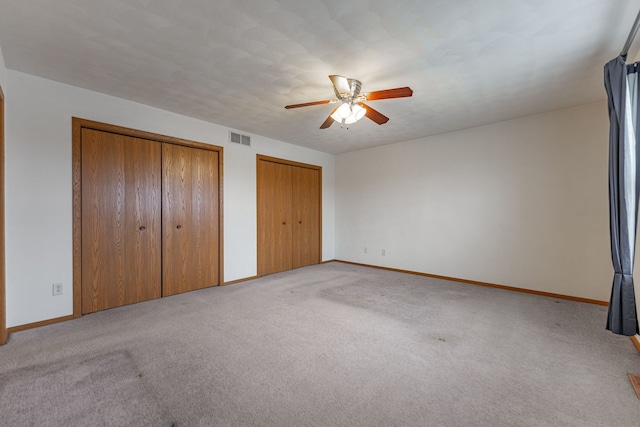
620 81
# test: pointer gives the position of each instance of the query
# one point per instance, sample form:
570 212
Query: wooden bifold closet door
305 203
274 217
121 218
150 219
289 218
190 220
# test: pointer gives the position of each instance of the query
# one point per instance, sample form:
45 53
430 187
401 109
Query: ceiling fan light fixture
348 113
343 112
358 112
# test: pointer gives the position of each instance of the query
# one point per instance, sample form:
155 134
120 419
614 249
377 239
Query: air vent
237 138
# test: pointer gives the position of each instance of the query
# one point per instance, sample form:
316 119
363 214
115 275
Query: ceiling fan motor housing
355 86
348 92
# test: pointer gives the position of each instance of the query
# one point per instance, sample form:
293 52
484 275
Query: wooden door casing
190 220
121 205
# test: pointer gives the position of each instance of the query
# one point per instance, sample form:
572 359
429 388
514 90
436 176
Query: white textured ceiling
239 62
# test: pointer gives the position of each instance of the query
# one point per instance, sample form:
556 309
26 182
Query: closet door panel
204 220
143 201
190 220
120 220
274 217
102 220
306 219
176 247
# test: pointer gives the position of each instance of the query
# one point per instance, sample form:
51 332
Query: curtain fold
621 84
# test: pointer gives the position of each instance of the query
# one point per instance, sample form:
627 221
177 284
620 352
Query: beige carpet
105 389
328 345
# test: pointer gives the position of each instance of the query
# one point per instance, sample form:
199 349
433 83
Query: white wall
3 71
38 187
520 203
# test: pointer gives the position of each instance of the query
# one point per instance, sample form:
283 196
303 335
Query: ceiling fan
352 107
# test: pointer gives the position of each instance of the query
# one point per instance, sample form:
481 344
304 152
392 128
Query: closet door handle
179 227
284 222
299 222
142 228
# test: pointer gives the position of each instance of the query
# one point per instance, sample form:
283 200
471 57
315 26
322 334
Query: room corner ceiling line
632 35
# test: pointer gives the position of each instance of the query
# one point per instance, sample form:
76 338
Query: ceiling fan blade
340 85
400 92
374 115
329 120
307 104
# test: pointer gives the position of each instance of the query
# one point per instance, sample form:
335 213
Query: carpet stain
108 383
401 301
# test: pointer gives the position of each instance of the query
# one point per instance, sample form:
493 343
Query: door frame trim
77 125
261 157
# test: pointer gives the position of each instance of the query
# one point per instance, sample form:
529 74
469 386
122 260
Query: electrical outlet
384 253
365 249
56 289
